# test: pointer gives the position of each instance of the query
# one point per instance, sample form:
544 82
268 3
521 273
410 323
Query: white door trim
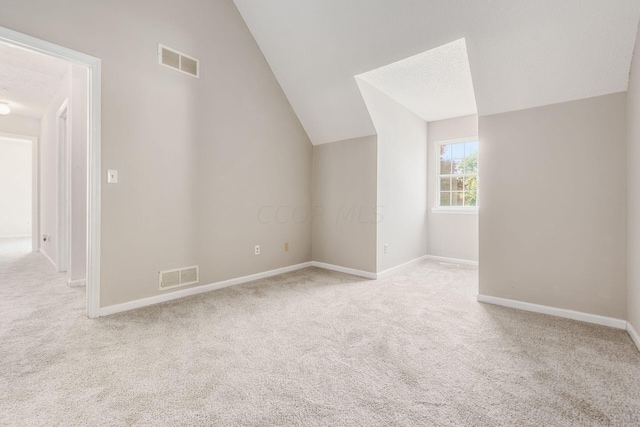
94 174
63 212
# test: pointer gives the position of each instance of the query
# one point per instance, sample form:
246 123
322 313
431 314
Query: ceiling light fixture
4 108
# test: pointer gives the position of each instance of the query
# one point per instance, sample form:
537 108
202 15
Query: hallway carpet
308 348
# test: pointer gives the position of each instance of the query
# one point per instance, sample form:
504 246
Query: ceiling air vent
179 277
178 61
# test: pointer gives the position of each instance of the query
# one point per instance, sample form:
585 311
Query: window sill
453 210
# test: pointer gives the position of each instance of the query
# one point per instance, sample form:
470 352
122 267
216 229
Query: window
458 174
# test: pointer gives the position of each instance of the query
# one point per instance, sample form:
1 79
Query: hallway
47 291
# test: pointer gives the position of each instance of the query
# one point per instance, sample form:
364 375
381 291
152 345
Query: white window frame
469 210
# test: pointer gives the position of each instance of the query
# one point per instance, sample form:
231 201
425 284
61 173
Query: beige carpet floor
308 348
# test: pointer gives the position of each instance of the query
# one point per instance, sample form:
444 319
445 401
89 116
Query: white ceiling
522 53
28 80
435 85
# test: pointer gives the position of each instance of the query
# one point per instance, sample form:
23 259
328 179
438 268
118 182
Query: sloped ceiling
522 53
28 80
434 85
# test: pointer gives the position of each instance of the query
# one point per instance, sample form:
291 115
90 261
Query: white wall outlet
386 248
256 250
112 176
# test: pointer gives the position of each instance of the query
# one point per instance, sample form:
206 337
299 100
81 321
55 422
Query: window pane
470 198
457 198
457 151
470 162
457 184
457 166
445 151
471 183
445 184
445 167
445 199
470 148
445 159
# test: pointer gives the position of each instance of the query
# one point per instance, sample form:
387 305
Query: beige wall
553 211
402 179
449 235
344 203
197 158
20 125
372 191
15 187
633 182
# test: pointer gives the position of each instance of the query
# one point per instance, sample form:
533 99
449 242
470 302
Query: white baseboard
144 302
340 269
49 258
634 335
392 270
553 311
452 260
77 283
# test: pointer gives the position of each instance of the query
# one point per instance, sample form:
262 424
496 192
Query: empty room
319 213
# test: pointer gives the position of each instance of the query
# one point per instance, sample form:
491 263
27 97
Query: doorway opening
65 168
18 193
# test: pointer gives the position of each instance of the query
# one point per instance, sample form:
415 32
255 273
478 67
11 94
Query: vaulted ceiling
521 53
28 80
447 92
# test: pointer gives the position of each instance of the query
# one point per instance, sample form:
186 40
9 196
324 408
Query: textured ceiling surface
28 80
522 53
435 85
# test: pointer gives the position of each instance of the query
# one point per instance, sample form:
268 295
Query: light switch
112 176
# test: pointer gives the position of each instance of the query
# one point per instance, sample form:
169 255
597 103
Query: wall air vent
178 61
179 277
